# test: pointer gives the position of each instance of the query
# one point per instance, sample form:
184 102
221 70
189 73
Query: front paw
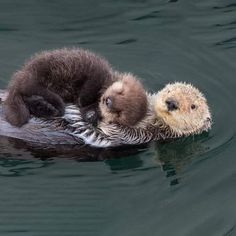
39 107
90 117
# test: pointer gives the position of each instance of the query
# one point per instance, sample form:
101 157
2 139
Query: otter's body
56 77
52 78
177 110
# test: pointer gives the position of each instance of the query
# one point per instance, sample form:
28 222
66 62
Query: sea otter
52 78
178 110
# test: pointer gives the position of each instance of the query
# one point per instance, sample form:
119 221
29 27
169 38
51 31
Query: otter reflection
16 148
175 156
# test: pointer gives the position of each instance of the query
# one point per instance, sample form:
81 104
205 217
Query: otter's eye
193 106
108 102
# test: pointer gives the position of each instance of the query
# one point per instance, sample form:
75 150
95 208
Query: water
186 187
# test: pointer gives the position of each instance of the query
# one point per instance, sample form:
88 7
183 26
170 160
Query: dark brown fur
53 77
76 76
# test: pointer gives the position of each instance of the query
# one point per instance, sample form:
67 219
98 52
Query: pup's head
183 108
124 102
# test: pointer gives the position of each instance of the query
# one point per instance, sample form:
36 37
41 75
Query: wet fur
129 101
51 79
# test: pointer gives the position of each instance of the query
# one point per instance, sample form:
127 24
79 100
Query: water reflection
16 168
177 188
175 156
171 156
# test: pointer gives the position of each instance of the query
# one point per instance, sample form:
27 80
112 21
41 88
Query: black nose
171 105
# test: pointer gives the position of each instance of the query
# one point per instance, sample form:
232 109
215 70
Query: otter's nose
171 105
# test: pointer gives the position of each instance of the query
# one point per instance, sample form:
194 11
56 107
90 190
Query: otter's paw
55 103
39 107
90 116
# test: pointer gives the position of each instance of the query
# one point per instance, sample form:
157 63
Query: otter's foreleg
91 114
40 107
90 93
44 103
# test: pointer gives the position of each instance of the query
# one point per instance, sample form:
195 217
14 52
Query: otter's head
124 102
183 108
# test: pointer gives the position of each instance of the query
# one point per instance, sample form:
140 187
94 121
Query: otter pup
178 110
52 78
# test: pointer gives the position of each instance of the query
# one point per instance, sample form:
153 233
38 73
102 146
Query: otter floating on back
178 110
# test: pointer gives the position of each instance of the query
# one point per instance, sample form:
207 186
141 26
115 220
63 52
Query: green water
186 187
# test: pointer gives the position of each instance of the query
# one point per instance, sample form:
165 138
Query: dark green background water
182 188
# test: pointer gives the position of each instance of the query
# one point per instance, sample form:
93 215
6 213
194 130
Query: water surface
186 187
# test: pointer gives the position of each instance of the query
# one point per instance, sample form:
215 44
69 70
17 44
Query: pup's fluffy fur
128 101
74 76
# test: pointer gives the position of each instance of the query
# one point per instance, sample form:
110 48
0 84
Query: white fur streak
93 140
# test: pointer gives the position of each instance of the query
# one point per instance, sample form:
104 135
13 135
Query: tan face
183 108
110 113
124 102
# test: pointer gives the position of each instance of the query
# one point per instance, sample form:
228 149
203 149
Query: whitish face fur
183 108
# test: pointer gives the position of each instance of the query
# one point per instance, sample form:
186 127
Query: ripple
7 29
226 24
151 15
20 167
127 41
231 231
184 186
231 6
228 43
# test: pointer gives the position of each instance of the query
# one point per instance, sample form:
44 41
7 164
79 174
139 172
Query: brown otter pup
52 78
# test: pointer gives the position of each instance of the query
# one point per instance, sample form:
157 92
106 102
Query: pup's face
124 102
183 108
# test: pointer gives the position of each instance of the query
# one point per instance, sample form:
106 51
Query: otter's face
183 108
110 113
124 102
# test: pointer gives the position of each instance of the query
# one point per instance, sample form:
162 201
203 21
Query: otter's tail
27 97
15 109
44 103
